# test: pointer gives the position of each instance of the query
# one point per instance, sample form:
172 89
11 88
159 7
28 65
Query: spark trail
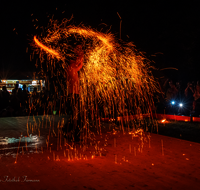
114 73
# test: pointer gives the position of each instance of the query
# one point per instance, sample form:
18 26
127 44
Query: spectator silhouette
14 103
0 100
189 98
172 92
20 95
35 101
180 90
16 87
43 98
25 94
196 102
5 97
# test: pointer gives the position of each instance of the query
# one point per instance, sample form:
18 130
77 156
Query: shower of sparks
114 74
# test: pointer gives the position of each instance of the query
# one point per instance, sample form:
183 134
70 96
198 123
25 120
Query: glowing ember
163 121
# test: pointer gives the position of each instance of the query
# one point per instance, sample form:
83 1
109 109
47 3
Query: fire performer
73 103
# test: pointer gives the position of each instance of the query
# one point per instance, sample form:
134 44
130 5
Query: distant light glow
181 105
163 120
173 102
34 82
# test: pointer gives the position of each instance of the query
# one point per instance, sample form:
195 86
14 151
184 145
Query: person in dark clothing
5 97
14 103
0 100
196 102
43 99
16 87
21 101
25 94
189 98
35 101
20 95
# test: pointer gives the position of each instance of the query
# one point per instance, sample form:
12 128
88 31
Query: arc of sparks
51 51
83 32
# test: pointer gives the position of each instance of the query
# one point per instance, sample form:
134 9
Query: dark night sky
171 29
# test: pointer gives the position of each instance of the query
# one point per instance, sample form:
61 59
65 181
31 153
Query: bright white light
34 82
173 102
180 104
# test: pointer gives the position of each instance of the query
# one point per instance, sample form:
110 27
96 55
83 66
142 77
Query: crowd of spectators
21 102
180 100
177 99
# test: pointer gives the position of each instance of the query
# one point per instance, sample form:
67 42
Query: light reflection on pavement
9 146
14 129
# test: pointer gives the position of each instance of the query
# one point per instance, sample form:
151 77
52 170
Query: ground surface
182 130
120 161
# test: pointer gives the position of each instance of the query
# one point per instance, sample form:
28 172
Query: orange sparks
51 51
114 73
88 32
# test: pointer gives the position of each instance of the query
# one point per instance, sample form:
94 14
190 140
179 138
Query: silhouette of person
196 102
73 91
5 97
25 94
189 92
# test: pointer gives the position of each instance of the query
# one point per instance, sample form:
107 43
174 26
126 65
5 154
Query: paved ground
14 126
189 131
108 160
14 129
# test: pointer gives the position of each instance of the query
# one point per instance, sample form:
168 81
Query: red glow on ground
156 116
180 160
